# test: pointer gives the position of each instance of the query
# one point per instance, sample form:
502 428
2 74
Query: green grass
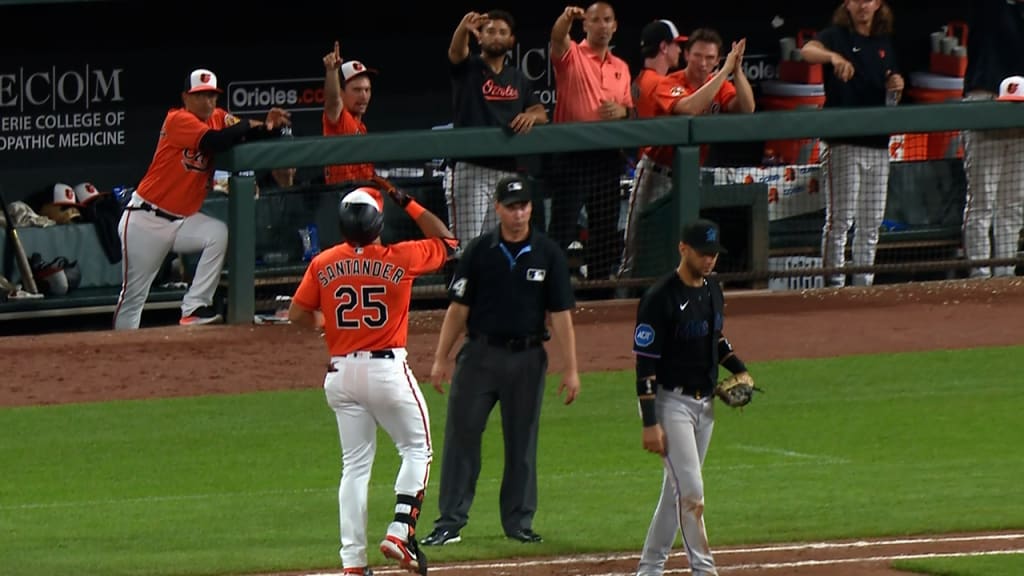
996 565
846 447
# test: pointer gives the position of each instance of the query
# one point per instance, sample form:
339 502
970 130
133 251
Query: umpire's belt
161 213
510 342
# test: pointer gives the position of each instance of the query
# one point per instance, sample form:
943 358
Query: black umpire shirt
995 43
873 60
483 98
677 333
509 287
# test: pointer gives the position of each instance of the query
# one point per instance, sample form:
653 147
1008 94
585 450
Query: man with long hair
860 66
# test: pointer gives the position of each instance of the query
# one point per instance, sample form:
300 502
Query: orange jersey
346 125
364 292
180 175
673 88
644 86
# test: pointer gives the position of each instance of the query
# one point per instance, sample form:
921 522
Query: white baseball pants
688 424
469 192
856 182
363 392
994 163
651 181
146 239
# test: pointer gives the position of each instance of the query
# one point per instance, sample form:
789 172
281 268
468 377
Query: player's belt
697 394
388 354
510 342
161 213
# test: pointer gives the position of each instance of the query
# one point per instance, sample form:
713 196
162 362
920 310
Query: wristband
734 364
647 412
413 209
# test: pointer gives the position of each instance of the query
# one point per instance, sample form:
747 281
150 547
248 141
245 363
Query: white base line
726 551
806 563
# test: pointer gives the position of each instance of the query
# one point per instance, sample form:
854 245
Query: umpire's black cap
704 237
512 190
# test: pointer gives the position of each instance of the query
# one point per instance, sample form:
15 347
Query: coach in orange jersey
346 99
703 87
163 213
358 293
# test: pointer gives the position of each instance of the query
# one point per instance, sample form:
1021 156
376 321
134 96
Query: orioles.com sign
292 94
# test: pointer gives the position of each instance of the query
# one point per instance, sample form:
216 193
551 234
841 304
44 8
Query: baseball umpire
678 344
506 281
358 292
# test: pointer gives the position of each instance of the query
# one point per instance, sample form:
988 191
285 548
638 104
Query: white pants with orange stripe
146 239
994 163
856 183
363 392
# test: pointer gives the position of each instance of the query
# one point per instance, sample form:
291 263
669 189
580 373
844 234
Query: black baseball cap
512 189
704 237
660 31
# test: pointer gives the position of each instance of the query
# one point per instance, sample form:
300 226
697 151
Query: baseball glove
737 390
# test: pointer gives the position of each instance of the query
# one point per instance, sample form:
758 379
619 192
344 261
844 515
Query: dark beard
491 52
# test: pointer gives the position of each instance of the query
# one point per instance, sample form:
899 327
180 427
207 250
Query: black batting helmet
360 216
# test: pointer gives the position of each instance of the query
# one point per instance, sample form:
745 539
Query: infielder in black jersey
678 344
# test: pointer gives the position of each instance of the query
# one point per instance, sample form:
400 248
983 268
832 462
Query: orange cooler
928 88
792 96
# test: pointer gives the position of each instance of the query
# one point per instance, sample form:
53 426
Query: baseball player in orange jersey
695 90
346 100
660 45
163 213
358 292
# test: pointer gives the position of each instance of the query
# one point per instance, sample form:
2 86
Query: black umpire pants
485 375
590 178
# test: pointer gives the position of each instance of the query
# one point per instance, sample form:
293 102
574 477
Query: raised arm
560 31
332 83
471 24
696 103
743 103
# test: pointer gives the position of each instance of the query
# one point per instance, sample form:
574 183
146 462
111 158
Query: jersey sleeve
561 65
726 94
425 256
184 129
463 286
649 335
667 93
307 294
558 286
829 38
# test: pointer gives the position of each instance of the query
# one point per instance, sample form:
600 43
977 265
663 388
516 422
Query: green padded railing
685 133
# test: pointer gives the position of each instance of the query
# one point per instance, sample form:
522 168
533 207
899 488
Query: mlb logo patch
535 274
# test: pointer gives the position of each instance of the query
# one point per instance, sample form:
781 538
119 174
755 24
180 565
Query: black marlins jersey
677 332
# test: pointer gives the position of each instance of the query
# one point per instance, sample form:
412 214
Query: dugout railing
664 218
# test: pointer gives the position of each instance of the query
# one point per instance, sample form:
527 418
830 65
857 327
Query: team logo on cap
711 235
514 186
1012 88
358 66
